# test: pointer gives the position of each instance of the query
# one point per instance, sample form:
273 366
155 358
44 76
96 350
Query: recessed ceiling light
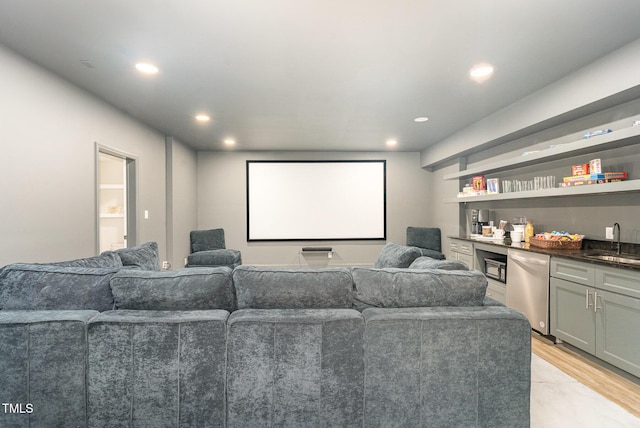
229 141
203 118
481 72
392 143
146 68
420 119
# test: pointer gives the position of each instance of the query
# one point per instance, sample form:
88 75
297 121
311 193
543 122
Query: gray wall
222 203
182 207
602 95
47 155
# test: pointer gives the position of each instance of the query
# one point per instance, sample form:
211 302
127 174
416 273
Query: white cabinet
112 202
461 250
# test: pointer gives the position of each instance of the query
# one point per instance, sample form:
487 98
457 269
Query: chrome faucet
617 226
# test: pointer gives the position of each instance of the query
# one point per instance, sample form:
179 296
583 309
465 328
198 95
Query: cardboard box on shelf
581 169
621 175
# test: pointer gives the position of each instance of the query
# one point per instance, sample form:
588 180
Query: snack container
595 166
581 169
479 183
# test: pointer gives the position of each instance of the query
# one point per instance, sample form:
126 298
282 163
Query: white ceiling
314 74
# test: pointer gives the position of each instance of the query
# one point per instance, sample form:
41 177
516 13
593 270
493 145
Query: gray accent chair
208 249
427 239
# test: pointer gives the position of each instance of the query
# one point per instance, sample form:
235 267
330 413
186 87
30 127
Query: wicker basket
556 244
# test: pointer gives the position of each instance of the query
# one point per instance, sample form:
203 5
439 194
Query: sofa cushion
143 257
229 258
431 253
205 240
295 368
431 263
33 286
107 259
276 288
43 362
186 289
397 256
447 367
156 369
424 237
402 288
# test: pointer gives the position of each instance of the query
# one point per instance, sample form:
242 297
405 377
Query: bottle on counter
528 231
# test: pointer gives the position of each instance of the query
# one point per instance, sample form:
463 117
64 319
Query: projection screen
316 200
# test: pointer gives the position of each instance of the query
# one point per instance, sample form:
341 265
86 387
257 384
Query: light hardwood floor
605 382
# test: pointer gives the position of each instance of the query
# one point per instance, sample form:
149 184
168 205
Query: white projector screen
316 200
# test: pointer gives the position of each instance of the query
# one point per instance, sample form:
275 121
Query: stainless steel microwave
495 269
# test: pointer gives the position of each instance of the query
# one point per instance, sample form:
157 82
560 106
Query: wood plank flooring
605 382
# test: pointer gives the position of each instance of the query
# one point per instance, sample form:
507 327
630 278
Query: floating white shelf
615 139
587 189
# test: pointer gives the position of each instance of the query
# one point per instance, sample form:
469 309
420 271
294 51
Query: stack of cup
516 236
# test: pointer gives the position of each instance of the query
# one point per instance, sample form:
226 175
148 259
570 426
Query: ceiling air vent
87 63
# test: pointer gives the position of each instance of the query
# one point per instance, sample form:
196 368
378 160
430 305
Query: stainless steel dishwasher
528 287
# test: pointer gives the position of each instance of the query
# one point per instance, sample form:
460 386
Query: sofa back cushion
425 262
276 288
185 289
45 287
145 256
402 288
107 259
396 256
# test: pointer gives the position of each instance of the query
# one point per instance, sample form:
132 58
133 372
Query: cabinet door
497 291
467 259
572 316
617 327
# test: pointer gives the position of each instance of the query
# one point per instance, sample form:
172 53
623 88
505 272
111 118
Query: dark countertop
589 247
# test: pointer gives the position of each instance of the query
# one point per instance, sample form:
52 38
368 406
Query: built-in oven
496 269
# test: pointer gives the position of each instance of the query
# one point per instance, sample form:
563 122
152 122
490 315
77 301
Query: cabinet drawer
581 273
621 281
454 246
466 248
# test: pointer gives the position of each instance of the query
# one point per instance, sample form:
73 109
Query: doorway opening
116 207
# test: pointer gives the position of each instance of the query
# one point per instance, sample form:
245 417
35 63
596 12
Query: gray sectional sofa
258 347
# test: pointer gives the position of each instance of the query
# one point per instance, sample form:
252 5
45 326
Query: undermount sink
616 258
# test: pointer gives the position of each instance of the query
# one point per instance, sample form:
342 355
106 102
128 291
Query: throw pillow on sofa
277 288
181 290
402 288
46 287
145 256
106 259
430 263
397 256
